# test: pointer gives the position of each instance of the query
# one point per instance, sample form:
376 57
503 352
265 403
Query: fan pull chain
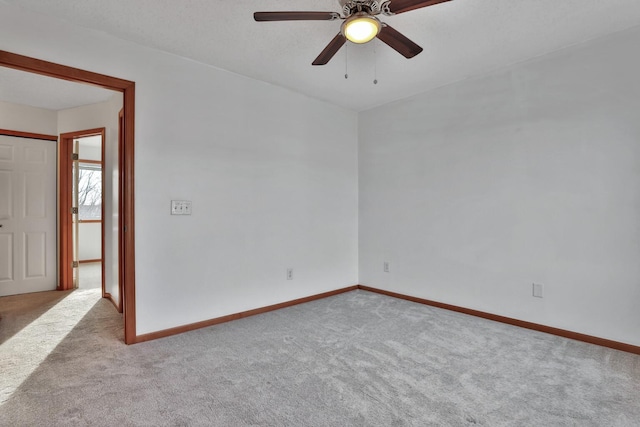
375 64
346 61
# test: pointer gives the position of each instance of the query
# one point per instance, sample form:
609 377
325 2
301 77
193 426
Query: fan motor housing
350 7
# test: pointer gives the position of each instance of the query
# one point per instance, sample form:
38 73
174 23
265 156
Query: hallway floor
90 275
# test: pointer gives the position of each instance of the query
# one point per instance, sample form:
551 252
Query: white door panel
6 193
27 215
6 153
6 257
35 155
35 255
34 195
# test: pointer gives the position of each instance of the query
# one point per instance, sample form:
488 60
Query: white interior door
27 215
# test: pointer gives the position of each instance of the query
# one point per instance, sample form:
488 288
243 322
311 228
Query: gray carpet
356 359
90 275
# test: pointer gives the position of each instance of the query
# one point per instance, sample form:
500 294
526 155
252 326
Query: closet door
27 215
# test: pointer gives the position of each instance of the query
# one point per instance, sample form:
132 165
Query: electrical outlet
537 290
180 207
385 266
289 273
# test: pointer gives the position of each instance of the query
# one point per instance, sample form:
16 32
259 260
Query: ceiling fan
360 24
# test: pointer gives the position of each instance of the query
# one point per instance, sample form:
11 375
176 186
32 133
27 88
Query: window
89 191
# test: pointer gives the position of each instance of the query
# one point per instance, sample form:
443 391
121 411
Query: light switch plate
537 290
180 207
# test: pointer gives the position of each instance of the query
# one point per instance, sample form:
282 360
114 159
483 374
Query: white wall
272 176
90 243
103 114
90 147
531 174
28 119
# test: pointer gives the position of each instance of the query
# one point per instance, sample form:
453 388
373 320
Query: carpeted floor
90 275
356 359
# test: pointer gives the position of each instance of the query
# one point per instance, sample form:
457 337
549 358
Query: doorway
82 208
127 232
90 230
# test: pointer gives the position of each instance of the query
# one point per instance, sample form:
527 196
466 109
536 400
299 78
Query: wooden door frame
127 232
65 202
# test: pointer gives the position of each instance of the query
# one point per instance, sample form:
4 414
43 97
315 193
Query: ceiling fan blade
331 49
400 6
400 43
295 16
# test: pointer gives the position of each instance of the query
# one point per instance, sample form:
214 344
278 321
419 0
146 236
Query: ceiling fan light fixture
361 28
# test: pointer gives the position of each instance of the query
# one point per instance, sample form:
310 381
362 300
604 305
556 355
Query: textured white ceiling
461 39
46 92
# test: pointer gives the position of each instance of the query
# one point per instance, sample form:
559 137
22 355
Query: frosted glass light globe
361 29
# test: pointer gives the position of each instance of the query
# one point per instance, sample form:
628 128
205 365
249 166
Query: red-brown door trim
65 252
31 135
24 63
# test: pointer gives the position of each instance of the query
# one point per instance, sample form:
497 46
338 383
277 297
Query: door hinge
74 264
74 211
75 156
